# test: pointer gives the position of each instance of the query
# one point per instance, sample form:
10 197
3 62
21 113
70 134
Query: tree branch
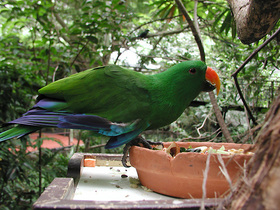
214 103
63 25
193 29
255 52
161 19
78 54
254 18
165 58
220 117
234 75
161 34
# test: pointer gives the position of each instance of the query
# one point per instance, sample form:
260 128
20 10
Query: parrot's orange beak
212 77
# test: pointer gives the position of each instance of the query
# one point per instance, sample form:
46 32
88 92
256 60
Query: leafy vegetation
42 41
20 173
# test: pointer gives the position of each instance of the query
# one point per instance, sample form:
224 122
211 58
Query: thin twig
205 175
216 133
78 54
224 171
195 17
49 62
161 34
96 146
244 176
234 75
248 122
165 58
204 121
255 52
243 100
79 140
161 19
54 73
119 54
215 137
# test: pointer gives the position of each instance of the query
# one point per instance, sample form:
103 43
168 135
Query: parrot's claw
125 155
138 141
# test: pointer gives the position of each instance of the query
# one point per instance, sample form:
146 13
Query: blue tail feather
17 132
52 113
38 118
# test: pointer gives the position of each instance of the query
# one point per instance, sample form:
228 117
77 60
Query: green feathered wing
114 93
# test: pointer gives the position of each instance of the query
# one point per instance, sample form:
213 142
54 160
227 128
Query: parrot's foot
138 141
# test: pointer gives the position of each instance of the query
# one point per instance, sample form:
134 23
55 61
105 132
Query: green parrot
116 102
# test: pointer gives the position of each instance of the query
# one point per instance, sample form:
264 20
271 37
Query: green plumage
114 101
110 92
122 95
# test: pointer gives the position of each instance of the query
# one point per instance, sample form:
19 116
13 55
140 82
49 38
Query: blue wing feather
124 138
51 104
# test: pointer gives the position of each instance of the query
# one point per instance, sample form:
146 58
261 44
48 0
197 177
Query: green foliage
17 82
19 173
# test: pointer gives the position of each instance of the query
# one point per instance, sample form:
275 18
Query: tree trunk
254 18
260 187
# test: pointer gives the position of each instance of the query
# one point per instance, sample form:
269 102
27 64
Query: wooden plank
59 194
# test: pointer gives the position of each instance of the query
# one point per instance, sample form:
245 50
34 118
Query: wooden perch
254 18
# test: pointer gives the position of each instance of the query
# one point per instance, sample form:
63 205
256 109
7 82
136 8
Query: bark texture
254 18
260 187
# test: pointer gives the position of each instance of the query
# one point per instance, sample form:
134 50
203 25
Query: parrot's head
212 81
199 75
190 78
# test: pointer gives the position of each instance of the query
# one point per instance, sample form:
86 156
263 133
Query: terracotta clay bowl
182 175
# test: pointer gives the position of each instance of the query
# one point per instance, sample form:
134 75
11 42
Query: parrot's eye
192 70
